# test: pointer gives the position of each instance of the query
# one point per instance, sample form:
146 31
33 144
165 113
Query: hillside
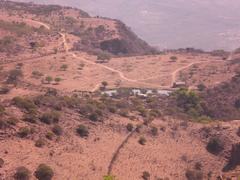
206 24
91 33
84 98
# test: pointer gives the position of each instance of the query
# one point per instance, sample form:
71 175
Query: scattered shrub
12 121
142 141
238 131
146 175
1 162
37 74
32 118
2 109
24 132
4 90
173 58
24 103
103 57
109 177
57 130
22 173
49 79
129 127
40 143
64 67
154 131
237 103
94 117
215 146
57 80
49 135
14 76
82 131
194 175
50 117
201 87
123 112
44 172
198 166
138 129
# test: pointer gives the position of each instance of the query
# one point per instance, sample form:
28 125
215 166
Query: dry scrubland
49 55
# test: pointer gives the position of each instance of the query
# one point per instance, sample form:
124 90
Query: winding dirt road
121 74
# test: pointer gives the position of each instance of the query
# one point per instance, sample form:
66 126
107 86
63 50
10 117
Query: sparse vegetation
57 80
142 140
14 76
49 79
1 162
215 145
154 131
24 103
129 127
24 132
40 143
194 175
82 131
44 172
108 177
50 117
22 173
57 130
49 135
64 67
146 175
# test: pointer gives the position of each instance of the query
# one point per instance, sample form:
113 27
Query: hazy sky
206 24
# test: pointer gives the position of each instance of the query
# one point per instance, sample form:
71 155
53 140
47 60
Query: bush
40 143
189 102
64 67
123 112
2 109
237 103
57 130
22 173
142 141
173 58
129 127
4 90
82 131
1 162
49 135
194 175
44 172
3 124
12 121
24 132
30 118
24 103
201 87
94 117
50 117
103 57
154 131
14 76
146 175
215 146
108 177
49 79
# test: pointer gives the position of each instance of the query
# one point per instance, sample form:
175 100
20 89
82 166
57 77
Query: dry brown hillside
80 101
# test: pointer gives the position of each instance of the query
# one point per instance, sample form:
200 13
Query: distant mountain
206 24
